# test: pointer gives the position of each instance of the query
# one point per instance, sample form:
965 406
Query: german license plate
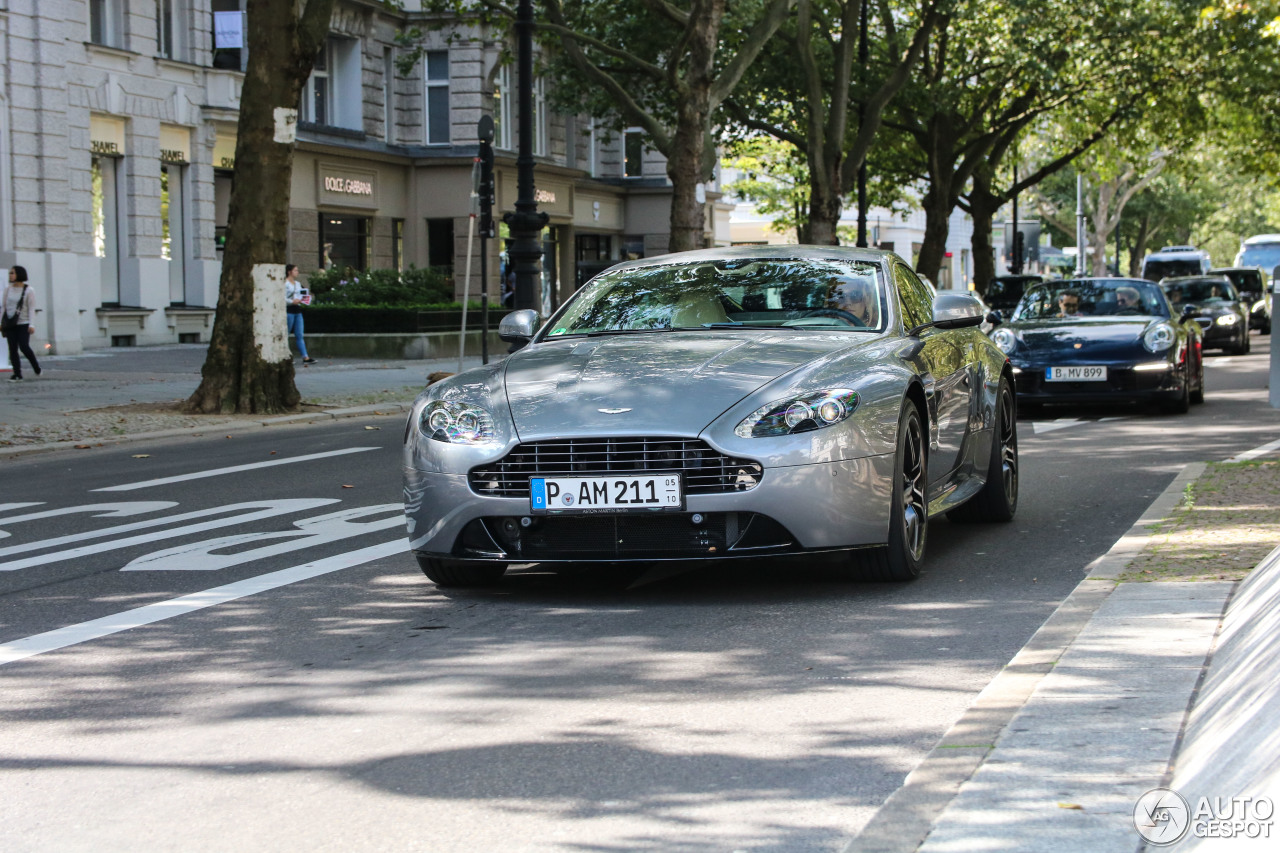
1076 373
605 494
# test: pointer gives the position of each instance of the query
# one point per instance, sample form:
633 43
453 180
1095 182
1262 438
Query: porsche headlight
799 414
456 423
1159 337
1227 320
1005 340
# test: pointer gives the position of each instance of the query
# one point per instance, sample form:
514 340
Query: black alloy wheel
901 558
998 499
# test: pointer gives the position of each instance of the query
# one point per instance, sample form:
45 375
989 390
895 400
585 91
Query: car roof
1189 279
780 252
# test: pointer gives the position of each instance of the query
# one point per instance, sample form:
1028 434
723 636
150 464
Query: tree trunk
983 205
247 368
691 158
825 207
684 169
937 204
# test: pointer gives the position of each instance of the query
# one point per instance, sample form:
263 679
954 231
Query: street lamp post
862 117
526 223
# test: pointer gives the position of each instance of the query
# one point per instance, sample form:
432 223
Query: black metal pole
526 223
862 117
1016 268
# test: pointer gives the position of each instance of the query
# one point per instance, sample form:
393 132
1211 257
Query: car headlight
1227 320
1005 340
1159 337
456 423
799 414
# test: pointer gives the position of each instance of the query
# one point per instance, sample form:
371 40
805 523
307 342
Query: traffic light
486 188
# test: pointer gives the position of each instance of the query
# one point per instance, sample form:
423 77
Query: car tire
1181 404
998 499
901 558
457 573
1197 396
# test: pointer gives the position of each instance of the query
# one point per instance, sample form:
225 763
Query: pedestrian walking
19 306
294 296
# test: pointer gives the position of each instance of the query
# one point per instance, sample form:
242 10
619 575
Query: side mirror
995 318
953 310
1189 311
518 327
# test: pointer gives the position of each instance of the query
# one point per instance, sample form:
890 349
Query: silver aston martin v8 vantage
717 404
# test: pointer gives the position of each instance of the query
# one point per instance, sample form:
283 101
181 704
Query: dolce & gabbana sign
341 186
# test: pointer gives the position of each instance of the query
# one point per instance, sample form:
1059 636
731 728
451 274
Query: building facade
117 158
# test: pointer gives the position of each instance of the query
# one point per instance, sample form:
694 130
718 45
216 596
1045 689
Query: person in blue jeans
293 309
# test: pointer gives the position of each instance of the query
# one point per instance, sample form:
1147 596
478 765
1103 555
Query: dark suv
1251 282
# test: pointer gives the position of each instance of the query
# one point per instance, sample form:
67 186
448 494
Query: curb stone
377 410
905 820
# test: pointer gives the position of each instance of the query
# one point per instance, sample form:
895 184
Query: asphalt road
250 659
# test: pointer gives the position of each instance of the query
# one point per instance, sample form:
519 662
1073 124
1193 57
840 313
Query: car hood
1083 339
651 384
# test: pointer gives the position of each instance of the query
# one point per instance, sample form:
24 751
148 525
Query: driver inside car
853 297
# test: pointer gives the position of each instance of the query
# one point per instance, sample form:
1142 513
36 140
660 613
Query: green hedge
413 287
401 319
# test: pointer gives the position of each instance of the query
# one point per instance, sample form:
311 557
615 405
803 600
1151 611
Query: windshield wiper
622 332
729 325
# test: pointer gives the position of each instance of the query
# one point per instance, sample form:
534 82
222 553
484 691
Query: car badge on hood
613 411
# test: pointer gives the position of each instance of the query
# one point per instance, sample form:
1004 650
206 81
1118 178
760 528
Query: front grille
647 535
704 470
1119 379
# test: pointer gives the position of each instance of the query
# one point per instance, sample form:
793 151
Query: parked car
1174 261
1214 298
1252 283
1004 291
1101 340
718 404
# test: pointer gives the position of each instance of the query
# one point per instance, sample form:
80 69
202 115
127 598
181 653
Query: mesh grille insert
704 470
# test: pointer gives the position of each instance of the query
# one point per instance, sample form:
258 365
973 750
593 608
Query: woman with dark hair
19 307
293 295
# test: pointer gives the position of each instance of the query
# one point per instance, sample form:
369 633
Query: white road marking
111 510
216 472
7 507
96 628
259 509
1041 427
200 556
1256 452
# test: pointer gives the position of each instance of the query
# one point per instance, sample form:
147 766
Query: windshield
1156 270
1072 299
1265 255
828 294
1246 281
1199 290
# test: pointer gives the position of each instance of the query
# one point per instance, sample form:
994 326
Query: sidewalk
109 394
1128 686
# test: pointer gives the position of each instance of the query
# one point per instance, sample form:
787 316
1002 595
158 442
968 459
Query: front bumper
1221 337
1123 384
793 509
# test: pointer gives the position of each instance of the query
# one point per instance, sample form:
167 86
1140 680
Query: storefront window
221 208
106 230
172 240
343 241
440 243
397 244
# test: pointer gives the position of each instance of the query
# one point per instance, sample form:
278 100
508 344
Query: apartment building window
230 45
633 152
333 94
169 29
541 131
105 24
591 147
440 243
503 112
437 96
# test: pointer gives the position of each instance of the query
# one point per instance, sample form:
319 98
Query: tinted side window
914 299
